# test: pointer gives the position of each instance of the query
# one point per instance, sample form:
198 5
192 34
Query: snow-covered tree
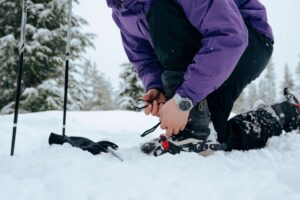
99 90
131 87
267 85
46 31
241 104
252 95
288 80
270 79
262 90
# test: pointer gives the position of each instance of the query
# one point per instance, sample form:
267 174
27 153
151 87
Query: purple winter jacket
224 39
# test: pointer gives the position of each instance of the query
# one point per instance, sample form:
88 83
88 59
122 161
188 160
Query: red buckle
165 143
298 105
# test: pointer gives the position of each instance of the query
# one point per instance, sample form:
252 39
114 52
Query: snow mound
39 171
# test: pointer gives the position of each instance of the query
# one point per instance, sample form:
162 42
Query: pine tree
131 87
288 80
241 104
252 95
270 79
87 82
102 98
99 90
267 85
262 90
44 54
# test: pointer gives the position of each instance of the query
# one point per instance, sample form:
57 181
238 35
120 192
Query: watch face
185 105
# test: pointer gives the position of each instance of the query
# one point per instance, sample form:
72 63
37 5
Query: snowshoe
197 137
183 142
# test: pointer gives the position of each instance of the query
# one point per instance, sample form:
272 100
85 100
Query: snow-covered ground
41 172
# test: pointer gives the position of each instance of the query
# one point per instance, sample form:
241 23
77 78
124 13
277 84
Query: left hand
172 118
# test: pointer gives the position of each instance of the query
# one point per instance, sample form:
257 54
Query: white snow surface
42 172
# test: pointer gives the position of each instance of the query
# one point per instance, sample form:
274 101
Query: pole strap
23 27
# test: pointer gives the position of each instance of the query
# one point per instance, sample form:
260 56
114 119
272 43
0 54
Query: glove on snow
83 143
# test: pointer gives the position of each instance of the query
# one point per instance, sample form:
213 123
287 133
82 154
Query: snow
5 40
39 171
30 91
43 34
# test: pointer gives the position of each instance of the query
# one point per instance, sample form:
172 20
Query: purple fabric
225 37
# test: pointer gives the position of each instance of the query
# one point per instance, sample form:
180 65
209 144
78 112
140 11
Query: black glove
83 143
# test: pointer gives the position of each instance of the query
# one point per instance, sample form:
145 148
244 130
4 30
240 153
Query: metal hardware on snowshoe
174 145
164 142
200 147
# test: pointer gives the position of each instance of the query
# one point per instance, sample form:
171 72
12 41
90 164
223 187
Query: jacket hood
126 5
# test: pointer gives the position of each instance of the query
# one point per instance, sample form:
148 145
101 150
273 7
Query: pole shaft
17 103
67 66
65 97
19 75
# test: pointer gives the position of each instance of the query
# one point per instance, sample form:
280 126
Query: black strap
151 130
138 106
138 103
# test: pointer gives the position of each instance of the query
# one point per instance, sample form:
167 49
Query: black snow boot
196 137
288 112
252 130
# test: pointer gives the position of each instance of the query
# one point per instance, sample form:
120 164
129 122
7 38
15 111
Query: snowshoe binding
197 137
183 142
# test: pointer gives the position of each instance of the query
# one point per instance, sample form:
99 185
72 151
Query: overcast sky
284 17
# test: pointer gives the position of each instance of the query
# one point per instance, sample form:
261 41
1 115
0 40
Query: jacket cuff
185 92
151 81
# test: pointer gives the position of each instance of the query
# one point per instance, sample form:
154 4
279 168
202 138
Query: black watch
184 104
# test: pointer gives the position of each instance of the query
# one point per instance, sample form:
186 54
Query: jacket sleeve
225 38
141 55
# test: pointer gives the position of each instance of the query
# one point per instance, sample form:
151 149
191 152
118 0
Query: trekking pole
67 66
19 75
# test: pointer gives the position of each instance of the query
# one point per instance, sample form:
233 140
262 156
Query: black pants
170 29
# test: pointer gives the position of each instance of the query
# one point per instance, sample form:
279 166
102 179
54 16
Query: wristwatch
184 104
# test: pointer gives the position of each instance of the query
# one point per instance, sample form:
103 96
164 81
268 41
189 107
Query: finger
155 108
163 125
169 131
148 109
159 109
162 98
150 95
176 131
161 117
181 128
147 97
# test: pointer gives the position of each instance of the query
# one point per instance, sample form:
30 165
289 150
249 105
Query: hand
157 98
172 118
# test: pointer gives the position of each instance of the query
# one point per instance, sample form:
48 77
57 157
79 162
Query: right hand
157 100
